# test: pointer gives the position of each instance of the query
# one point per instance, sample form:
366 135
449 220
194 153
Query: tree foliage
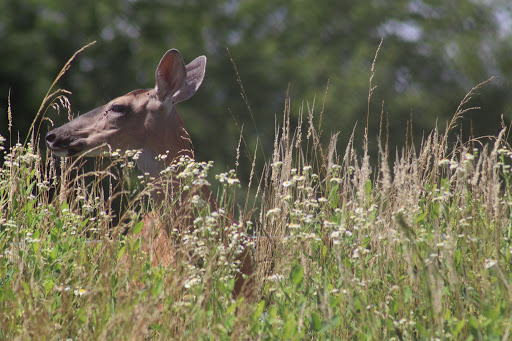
432 54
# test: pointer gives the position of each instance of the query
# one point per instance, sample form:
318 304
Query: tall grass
414 249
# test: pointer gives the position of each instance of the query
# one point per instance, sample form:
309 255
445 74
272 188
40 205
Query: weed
414 250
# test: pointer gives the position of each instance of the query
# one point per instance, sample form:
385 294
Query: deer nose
50 137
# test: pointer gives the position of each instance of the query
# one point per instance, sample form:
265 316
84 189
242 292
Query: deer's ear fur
170 75
195 75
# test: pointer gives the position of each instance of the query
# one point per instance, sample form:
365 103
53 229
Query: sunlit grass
415 249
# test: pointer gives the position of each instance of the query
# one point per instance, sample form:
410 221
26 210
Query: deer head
144 119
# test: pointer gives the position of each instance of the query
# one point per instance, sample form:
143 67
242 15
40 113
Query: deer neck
167 142
171 140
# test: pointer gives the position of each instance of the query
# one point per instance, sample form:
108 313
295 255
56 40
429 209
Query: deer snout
60 144
52 142
50 138
56 141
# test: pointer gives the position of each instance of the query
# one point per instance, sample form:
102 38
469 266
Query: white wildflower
489 263
273 211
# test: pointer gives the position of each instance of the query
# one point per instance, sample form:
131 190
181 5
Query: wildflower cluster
2 141
300 203
21 156
504 161
21 175
305 182
335 174
217 242
128 159
228 179
462 166
188 171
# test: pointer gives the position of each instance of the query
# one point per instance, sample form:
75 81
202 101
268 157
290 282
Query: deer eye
119 108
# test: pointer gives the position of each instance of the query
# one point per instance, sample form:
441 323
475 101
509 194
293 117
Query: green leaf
447 314
32 173
435 209
457 257
316 322
492 313
335 301
81 314
289 328
297 275
459 327
29 188
393 305
136 246
121 252
473 325
157 327
84 222
422 217
138 227
157 286
231 309
335 322
407 294
368 187
48 285
26 287
36 245
259 310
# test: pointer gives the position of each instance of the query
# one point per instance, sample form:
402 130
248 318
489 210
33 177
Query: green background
432 54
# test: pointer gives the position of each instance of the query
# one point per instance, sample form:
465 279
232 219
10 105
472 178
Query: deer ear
195 75
170 75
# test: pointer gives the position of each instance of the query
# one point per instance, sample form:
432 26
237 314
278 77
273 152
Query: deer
147 120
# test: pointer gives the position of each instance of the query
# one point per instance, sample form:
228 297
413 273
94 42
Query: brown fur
147 120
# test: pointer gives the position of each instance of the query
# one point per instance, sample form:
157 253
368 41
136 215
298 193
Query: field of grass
345 248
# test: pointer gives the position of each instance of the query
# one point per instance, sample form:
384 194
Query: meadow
413 245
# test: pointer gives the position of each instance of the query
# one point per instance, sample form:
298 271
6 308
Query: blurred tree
433 53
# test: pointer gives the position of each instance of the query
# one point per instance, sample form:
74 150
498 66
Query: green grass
416 249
